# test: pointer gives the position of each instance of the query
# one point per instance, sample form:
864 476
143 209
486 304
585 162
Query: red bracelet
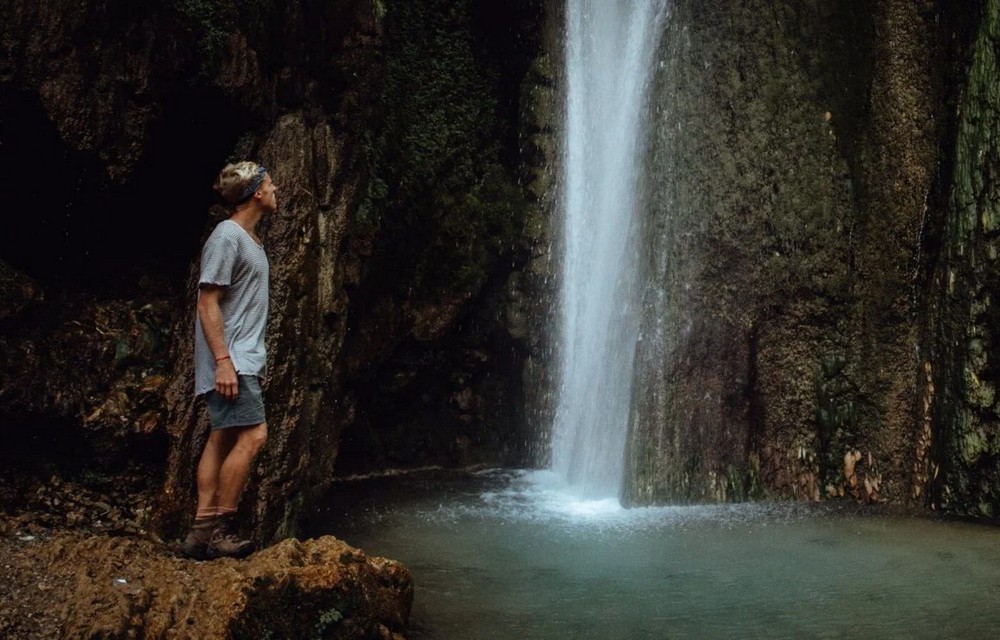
218 360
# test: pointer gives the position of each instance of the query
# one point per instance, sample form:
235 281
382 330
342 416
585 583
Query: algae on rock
794 148
966 449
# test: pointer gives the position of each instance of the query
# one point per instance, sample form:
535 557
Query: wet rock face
961 399
429 353
794 156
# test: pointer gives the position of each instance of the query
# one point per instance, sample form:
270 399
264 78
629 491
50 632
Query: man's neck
247 217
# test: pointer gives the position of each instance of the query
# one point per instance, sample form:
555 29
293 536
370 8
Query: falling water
609 51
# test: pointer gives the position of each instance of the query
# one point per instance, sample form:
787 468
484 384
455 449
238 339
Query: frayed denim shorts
246 410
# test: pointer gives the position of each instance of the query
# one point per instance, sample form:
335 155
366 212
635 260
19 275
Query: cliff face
963 323
392 132
799 184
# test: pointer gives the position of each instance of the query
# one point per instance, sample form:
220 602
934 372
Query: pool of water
510 555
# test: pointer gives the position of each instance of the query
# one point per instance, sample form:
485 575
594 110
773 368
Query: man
230 358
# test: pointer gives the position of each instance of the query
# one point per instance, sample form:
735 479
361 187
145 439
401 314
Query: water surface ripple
508 554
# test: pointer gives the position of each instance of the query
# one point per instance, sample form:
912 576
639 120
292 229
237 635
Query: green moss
301 611
327 619
438 193
288 525
755 483
973 446
736 488
975 136
978 393
473 232
122 350
968 420
836 413
211 23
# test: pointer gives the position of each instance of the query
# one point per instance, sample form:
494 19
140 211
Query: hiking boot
226 542
195 545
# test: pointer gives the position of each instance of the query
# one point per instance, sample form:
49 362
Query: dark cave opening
33 445
452 403
41 451
69 226
38 445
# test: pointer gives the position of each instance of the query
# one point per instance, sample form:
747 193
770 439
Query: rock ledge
123 587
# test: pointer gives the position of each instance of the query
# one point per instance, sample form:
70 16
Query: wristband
218 360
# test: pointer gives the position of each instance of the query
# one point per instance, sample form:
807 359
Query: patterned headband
253 185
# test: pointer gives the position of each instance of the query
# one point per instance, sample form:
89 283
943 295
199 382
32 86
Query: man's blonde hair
234 180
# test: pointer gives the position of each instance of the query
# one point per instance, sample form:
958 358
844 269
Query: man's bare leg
223 471
225 542
236 467
218 446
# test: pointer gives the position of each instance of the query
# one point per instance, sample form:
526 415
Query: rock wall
435 344
794 182
533 296
397 332
961 378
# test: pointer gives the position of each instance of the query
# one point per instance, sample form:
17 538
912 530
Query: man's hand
210 316
227 384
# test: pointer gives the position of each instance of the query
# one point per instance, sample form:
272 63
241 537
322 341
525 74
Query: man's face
267 197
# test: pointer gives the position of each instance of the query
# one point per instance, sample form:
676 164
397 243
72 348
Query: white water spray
609 60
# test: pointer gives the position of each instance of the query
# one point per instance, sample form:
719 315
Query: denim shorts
246 411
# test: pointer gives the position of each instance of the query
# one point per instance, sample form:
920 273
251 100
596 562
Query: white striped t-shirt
232 259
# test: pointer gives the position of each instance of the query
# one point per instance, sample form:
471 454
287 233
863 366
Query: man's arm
210 316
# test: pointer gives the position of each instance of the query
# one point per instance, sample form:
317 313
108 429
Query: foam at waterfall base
549 494
541 496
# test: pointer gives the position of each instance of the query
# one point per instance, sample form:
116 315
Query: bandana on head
253 185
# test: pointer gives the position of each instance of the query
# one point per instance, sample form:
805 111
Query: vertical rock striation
965 323
796 149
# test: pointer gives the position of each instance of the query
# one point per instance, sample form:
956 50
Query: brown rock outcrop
115 587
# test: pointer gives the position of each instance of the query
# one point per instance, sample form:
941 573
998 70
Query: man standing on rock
230 358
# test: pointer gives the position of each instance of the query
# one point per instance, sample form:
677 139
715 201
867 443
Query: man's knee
220 438
254 437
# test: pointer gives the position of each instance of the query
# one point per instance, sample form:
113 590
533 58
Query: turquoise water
508 555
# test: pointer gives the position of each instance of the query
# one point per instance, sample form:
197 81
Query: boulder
128 587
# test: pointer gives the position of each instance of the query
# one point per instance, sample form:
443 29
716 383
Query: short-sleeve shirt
233 260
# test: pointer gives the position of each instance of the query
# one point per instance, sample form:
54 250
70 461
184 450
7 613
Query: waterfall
609 59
